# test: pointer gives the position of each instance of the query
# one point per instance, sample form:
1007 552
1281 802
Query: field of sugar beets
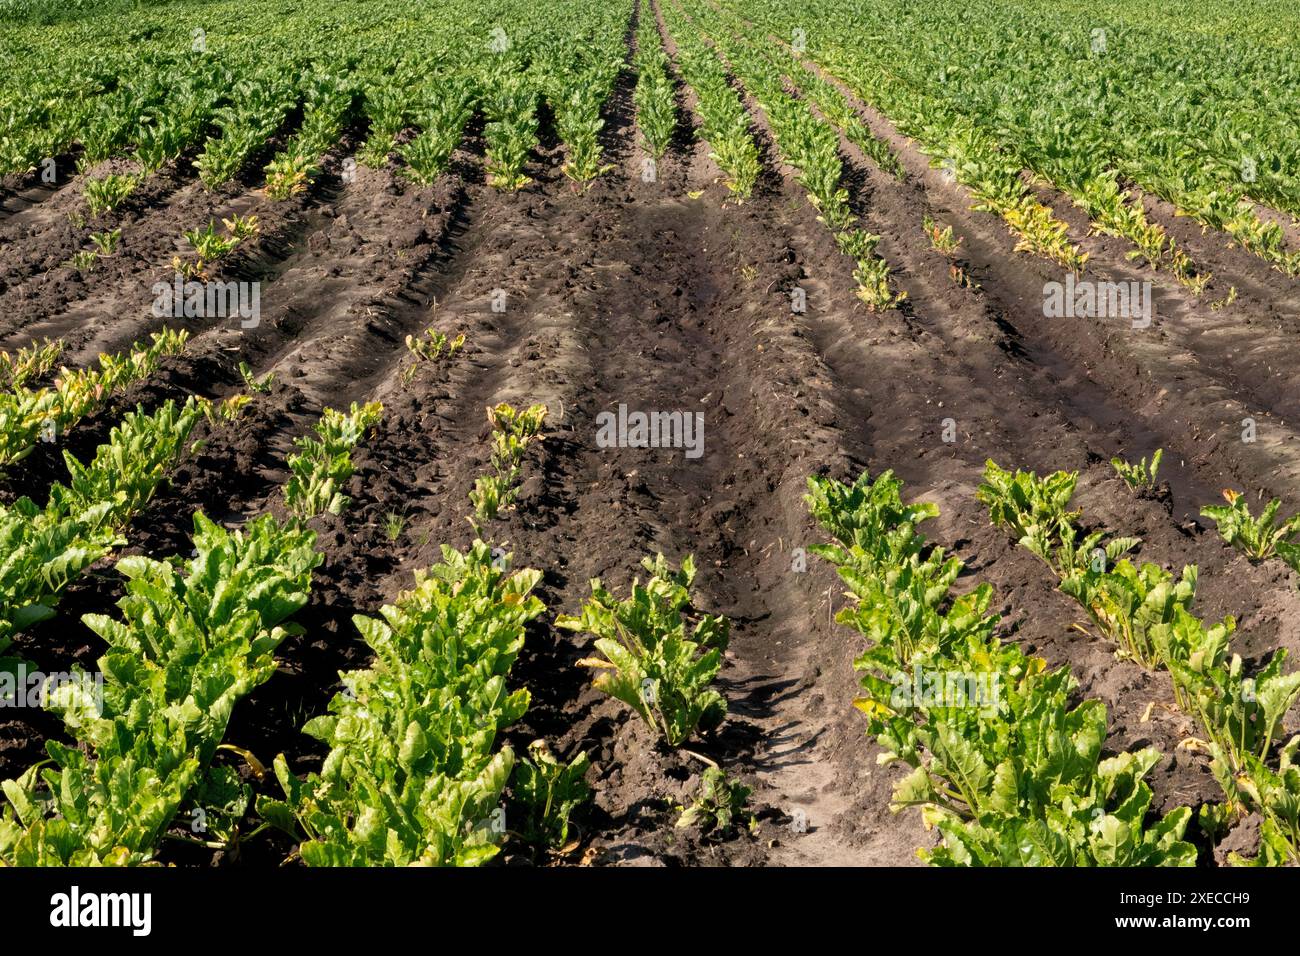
661 432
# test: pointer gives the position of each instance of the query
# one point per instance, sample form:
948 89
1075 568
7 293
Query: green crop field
745 432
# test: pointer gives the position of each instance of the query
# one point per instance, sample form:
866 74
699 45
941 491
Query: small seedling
1140 475
84 259
208 243
105 195
227 410
106 242
941 237
427 348
394 524
241 227
263 385
1260 537
719 804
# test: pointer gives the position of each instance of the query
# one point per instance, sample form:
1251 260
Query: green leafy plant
1141 475
1008 769
547 791
648 660
227 411
451 104
428 348
28 416
106 241
1132 605
809 144
1034 511
490 494
258 103
877 541
413 775
324 463
511 130
1273 794
724 123
84 259
286 175
328 102
48 548
1149 615
208 243
241 227
579 123
188 645
32 361
941 237
656 111
261 386
718 806
513 430
105 195
1259 537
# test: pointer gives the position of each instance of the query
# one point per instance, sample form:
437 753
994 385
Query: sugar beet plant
107 193
448 107
31 362
1141 475
259 104
328 102
513 430
190 643
390 103
1004 763
511 130
210 245
577 100
31 415
656 110
811 146
652 659
323 463
47 548
545 791
819 92
413 775
1097 125
428 348
719 804
1261 536
724 123
1129 603
1147 612
192 639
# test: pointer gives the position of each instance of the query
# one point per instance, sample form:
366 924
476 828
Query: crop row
28 416
1147 613
805 141
1086 106
222 90
1004 764
192 639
